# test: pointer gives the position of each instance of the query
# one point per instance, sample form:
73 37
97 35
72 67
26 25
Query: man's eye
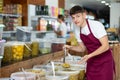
72 17
78 16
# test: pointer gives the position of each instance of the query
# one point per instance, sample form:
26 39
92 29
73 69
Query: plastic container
17 50
44 46
40 73
23 76
1 50
2 42
23 33
1 30
27 50
57 44
35 48
50 76
7 58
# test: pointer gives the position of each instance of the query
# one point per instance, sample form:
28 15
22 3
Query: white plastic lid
1 25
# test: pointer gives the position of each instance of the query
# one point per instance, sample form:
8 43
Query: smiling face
79 19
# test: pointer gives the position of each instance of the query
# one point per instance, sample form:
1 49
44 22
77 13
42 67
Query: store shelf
42 31
29 63
43 16
11 15
7 32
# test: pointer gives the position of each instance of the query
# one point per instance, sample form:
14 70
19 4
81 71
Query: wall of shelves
25 4
11 15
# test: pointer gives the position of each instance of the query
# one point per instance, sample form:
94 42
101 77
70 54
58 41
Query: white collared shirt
96 27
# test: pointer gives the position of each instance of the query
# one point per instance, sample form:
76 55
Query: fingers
67 46
84 59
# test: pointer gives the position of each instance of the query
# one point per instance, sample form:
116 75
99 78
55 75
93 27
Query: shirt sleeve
98 30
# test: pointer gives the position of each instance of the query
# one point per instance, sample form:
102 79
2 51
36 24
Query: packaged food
35 48
23 76
17 51
40 73
44 46
27 50
1 30
57 44
7 58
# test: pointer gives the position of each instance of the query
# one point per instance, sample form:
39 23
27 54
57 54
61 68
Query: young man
62 31
92 36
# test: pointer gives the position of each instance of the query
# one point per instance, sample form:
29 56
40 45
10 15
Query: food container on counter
23 33
57 44
17 50
40 73
1 30
44 46
23 76
50 76
35 48
7 58
2 42
27 49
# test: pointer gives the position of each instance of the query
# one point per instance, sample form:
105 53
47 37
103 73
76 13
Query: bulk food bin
1 30
2 42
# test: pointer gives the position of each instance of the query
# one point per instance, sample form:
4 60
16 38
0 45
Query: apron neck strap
88 26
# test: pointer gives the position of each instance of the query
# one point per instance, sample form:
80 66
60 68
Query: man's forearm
77 48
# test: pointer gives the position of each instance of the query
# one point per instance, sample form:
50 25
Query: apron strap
88 26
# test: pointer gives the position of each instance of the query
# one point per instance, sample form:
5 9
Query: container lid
21 75
25 28
59 40
14 43
2 41
1 25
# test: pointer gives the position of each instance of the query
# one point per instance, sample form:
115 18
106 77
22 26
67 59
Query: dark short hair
76 9
61 17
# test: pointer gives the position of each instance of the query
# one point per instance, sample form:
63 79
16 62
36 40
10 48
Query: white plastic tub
1 30
2 47
23 76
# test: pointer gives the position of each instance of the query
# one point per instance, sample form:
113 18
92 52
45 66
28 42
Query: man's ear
84 14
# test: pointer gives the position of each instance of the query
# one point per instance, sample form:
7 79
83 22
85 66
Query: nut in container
17 51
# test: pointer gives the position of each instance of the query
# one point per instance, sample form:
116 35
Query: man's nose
75 19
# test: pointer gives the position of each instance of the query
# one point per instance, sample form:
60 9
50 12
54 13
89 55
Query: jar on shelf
7 58
44 46
57 44
17 51
35 48
27 50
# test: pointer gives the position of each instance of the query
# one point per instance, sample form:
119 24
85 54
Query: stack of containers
1 43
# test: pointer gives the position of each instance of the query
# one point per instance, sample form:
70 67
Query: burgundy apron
99 67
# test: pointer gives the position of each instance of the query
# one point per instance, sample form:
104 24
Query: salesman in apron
92 36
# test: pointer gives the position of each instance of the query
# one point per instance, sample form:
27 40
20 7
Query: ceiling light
98 0
103 2
109 5
106 4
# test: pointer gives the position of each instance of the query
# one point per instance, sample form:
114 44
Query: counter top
7 70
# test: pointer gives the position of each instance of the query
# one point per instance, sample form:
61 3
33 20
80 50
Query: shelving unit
11 35
11 15
34 20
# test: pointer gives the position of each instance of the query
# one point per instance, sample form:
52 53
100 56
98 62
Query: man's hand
84 59
67 46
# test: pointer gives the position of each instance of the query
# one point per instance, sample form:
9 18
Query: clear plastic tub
1 50
23 76
1 30
2 47
17 51
57 44
23 33
44 46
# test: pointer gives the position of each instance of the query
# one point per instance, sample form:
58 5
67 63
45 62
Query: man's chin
77 25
